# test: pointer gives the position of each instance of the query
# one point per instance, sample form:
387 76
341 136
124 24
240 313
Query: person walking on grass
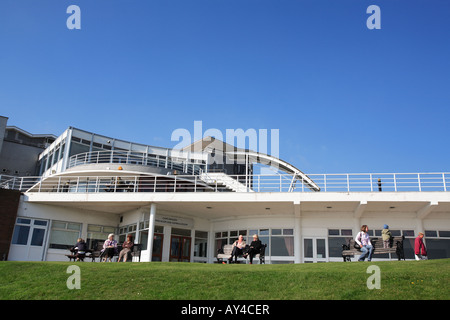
420 251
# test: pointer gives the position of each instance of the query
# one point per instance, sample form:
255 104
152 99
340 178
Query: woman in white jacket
362 238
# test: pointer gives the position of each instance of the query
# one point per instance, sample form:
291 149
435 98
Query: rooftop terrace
128 181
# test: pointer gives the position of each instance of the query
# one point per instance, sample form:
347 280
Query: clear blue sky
345 98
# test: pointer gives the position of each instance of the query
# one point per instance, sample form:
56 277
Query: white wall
49 212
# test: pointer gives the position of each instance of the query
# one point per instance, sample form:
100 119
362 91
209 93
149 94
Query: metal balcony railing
139 158
371 182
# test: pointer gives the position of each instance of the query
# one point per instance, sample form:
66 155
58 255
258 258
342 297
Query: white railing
133 157
380 182
18 183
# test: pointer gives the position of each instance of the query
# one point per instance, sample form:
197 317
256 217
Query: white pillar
419 226
298 233
192 245
151 231
211 236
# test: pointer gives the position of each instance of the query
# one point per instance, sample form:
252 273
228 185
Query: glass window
276 232
335 246
396 233
308 248
37 239
445 234
337 238
58 225
126 231
321 248
20 235
73 226
265 240
408 248
98 234
333 232
200 244
93 228
143 239
282 246
252 232
76 148
23 221
64 235
181 232
408 233
347 232
438 248
430 233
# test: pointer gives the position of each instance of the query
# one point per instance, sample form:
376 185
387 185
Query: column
357 214
211 237
151 231
297 233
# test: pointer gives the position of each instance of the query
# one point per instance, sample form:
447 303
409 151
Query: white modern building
182 205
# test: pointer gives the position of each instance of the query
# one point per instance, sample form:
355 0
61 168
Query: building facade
183 205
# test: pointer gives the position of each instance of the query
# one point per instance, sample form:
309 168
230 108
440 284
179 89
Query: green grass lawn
427 280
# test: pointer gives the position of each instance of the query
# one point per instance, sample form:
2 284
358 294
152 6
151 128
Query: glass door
315 250
28 240
157 247
180 249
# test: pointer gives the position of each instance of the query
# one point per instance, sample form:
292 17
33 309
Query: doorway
315 250
158 239
28 241
180 249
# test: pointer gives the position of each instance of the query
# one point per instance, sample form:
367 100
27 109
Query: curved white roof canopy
280 164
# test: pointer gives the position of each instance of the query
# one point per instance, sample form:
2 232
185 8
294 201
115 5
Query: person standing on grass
362 238
420 251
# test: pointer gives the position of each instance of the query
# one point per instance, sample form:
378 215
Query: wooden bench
97 253
396 246
73 255
224 254
135 252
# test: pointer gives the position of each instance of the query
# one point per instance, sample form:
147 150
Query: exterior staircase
220 178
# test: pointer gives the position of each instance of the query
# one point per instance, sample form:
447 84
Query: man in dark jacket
255 248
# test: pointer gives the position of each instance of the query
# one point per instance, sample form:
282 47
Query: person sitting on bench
81 248
109 248
363 240
238 247
255 248
127 247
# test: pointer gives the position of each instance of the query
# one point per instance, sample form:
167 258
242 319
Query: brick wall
9 202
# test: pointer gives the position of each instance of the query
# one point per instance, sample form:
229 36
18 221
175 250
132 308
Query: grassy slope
399 280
